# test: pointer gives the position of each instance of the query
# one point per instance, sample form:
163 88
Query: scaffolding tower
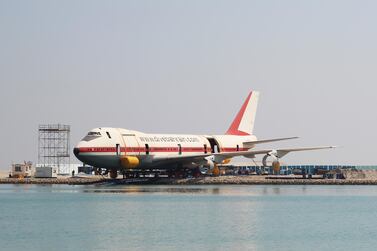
54 146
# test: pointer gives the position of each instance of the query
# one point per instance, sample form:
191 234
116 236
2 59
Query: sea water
221 217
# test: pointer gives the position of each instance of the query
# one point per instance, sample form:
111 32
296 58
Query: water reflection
223 190
153 189
268 190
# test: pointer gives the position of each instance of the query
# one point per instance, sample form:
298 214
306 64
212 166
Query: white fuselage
104 147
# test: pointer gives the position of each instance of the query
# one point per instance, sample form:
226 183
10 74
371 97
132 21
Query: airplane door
214 145
147 149
118 149
132 145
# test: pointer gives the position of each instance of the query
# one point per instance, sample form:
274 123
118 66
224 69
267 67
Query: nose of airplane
76 152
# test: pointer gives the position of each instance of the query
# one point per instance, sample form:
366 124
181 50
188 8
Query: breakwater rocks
68 181
351 178
247 180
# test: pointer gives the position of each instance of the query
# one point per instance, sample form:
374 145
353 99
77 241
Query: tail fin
243 123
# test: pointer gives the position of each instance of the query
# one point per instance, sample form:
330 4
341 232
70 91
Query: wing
196 158
219 157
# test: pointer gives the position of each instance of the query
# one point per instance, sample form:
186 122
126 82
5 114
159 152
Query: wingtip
295 137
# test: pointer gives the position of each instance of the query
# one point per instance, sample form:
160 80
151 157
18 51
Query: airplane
118 149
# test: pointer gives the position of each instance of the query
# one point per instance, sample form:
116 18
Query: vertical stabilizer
243 124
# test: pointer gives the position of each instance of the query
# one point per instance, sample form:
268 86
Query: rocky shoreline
234 180
45 181
221 180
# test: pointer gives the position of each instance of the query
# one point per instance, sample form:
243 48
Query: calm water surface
63 217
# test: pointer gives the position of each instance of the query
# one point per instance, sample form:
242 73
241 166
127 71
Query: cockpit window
108 135
94 134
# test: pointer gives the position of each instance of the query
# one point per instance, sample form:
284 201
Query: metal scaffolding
54 146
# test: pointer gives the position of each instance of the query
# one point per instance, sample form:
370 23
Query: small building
85 169
22 170
46 172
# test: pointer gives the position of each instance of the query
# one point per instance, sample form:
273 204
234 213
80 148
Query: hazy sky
186 67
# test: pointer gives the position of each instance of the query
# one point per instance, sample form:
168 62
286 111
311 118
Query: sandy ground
4 173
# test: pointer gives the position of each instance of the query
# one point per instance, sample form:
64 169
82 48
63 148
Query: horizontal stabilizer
277 152
266 141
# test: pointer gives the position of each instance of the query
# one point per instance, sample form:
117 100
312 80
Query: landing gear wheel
196 172
185 173
216 170
98 171
178 174
113 173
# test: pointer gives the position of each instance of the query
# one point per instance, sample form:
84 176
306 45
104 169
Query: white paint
248 118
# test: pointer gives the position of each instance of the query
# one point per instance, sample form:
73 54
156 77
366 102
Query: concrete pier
351 178
224 180
69 181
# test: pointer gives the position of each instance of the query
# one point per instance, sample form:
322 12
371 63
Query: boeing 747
118 149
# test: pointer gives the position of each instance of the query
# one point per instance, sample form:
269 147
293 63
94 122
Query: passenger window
108 135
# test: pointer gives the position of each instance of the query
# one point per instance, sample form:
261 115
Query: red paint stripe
155 149
233 129
97 149
233 149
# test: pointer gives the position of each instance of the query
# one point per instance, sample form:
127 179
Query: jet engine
213 167
275 162
276 166
211 164
226 161
129 161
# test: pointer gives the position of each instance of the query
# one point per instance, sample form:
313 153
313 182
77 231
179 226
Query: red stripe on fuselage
154 149
97 149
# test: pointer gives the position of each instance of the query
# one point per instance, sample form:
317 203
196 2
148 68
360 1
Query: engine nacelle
226 161
264 160
211 164
275 162
129 161
276 166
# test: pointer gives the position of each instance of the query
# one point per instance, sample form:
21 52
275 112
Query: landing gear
216 170
98 171
196 172
178 174
113 173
